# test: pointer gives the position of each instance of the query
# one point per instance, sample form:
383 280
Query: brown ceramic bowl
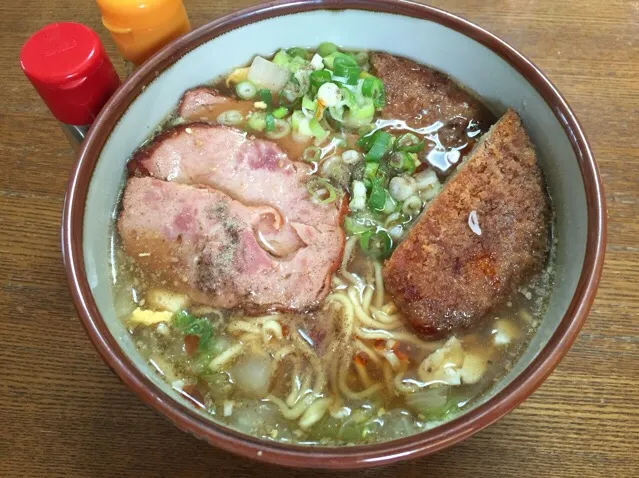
476 58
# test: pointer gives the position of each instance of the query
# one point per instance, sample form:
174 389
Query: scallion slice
348 98
280 112
309 104
377 245
329 60
257 121
317 130
361 114
347 69
299 52
381 145
321 191
311 154
337 113
246 90
373 87
282 58
370 173
282 129
410 143
326 48
354 225
230 118
269 122
402 161
319 77
377 199
267 97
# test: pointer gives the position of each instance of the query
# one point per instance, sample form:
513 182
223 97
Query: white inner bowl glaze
426 42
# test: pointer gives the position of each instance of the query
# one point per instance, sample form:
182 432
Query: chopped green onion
267 97
269 122
337 113
347 70
390 205
257 121
304 127
296 117
410 143
365 141
282 128
372 87
319 77
280 112
317 130
361 114
357 225
370 173
309 104
298 52
329 60
311 154
326 48
377 245
377 199
402 161
183 320
282 58
246 90
230 118
321 191
299 64
381 145
348 98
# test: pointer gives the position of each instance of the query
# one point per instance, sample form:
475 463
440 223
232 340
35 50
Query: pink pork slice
205 104
255 173
204 243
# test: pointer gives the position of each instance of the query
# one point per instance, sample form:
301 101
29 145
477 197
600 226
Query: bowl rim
359 456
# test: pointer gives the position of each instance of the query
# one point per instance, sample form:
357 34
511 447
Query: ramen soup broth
349 370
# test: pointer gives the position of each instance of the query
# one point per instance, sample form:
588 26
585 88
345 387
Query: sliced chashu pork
205 104
255 173
204 243
447 274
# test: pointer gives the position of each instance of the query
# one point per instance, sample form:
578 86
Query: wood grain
64 413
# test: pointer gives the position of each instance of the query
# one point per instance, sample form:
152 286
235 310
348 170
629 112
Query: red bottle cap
71 71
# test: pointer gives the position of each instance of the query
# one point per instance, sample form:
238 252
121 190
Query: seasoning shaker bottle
69 68
139 28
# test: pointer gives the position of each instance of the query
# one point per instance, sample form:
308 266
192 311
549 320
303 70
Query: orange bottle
141 27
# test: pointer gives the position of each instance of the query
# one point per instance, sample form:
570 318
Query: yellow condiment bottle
141 27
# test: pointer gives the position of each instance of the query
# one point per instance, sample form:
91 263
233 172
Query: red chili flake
361 358
191 344
285 330
193 394
379 344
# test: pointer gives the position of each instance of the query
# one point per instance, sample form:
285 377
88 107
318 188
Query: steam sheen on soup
258 226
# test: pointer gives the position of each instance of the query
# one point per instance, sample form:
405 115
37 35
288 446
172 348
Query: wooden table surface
64 413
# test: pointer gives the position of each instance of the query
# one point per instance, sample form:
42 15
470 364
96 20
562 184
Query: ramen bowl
500 75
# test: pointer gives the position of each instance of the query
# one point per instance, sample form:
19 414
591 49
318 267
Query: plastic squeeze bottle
141 27
69 68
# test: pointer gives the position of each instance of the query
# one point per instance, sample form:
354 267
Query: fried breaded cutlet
486 233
